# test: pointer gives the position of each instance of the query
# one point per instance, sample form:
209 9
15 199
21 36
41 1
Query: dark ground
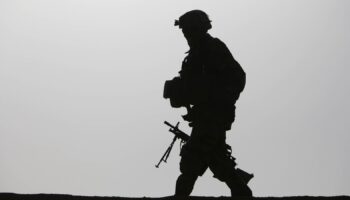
13 196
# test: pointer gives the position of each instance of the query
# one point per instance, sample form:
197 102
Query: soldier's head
194 24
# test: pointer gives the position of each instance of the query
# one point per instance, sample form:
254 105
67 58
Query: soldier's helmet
196 19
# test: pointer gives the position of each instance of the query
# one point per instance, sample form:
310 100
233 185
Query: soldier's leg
223 168
184 184
237 187
191 166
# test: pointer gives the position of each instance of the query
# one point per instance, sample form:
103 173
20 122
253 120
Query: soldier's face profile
192 33
186 32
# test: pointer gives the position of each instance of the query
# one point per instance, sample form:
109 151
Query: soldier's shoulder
217 45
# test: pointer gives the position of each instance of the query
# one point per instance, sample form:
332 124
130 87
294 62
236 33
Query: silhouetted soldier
209 84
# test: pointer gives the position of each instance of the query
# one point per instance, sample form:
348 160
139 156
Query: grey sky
81 82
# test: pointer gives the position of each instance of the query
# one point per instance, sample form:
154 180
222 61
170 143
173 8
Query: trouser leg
238 188
223 167
191 166
184 184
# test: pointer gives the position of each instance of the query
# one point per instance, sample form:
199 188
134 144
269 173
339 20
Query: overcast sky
81 107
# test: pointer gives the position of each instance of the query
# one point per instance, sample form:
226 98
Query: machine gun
178 135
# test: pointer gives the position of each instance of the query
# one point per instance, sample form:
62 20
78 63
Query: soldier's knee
223 170
191 165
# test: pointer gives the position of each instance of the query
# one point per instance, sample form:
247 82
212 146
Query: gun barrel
167 123
178 133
